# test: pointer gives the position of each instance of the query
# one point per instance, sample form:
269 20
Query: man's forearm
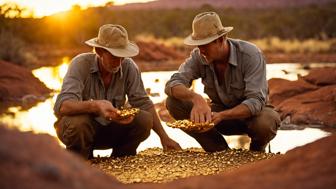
238 112
157 127
182 92
71 107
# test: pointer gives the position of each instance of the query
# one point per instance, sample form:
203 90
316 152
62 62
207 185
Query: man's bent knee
178 109
143 123
263 127
72 129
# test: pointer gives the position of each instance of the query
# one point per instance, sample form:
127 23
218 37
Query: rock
310 100
282 89
322 76
19 84
151 51
315 107
37 161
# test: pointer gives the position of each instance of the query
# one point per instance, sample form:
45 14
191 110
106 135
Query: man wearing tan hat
234 76
95 85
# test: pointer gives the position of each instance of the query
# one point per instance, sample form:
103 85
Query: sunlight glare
47 7
52 77
63 68
39 119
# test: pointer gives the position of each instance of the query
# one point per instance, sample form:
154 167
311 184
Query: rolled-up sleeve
72 86
135 91
255 82
187 72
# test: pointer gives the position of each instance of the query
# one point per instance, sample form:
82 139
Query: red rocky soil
150 52
309 100
282 89
19 86
36 161
16 82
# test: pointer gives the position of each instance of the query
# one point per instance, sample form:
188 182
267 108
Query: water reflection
52 77
40 118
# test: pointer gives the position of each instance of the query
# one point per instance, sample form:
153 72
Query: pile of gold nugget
127 112
156 166
188 125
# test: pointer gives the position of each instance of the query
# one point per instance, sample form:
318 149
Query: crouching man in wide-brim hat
95 85
234 76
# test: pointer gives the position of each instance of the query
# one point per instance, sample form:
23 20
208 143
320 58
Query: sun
42 8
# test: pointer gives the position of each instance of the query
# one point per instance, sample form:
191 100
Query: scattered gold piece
188 125
156 166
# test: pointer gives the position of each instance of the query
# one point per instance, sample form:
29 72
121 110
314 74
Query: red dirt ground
36 161
309 100
16 82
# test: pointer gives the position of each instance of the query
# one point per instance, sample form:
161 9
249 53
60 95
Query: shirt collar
233 54
94 67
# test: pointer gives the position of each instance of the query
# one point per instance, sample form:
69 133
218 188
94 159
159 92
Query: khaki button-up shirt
244 78
83 82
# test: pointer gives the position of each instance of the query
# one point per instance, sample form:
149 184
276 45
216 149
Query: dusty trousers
82 134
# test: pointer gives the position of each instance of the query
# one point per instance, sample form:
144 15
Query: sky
47 7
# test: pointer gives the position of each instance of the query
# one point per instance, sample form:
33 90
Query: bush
14 50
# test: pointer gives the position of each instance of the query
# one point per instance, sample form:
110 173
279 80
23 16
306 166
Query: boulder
315 107
282 89
37 161
17 82
321 76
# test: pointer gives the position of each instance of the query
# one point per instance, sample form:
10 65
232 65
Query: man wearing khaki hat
95 85
234 76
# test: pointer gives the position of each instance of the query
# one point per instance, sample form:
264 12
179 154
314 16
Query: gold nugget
127 112
188 125
154 165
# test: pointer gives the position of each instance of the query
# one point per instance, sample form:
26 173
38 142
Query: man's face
110 63
210 51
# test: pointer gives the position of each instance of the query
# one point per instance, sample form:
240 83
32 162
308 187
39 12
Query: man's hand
201 111
217 117
106 109
170 144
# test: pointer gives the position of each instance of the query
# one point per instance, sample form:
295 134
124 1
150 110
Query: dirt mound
150 51
282 89
17 82
303 58
37 161
309 100
316 107
321 76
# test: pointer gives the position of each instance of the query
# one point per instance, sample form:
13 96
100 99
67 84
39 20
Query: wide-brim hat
114 39
206 27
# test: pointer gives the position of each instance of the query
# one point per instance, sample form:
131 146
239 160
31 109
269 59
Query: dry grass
272 44
171 42
275 44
